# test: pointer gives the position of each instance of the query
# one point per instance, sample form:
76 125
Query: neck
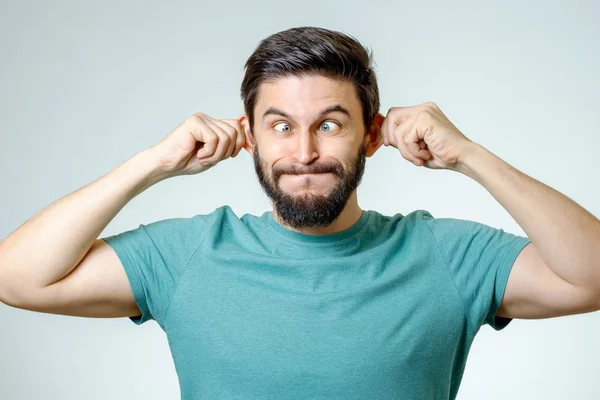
348 217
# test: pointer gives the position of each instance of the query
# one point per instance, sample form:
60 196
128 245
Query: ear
374 138
245 125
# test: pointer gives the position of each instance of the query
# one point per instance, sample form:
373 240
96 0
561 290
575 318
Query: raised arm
55 263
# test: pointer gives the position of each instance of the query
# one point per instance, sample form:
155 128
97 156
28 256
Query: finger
238 135
233 128
403 113
204 135
223 135
413 142
397 116
387 127
234 123
223 144
387 132
401 133
240 143
408 155
408 134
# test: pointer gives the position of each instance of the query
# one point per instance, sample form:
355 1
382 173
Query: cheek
341 152
274 153
282 152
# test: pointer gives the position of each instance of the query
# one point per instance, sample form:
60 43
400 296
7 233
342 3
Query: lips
309 173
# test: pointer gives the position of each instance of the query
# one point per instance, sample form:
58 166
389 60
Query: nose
306 147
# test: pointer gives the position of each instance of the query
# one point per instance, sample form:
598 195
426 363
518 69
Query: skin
557 274
306 140
72 272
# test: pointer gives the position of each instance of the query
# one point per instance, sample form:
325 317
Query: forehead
304 95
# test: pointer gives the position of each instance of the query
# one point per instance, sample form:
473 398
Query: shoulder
412 218
186 230
192 222
413 224
439 225
422 224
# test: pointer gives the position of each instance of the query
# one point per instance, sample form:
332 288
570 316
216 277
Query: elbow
8 291
595 299
5 298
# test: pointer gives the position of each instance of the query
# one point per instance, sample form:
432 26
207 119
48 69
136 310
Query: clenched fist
425 136
199 143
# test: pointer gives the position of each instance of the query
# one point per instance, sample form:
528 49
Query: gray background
86 85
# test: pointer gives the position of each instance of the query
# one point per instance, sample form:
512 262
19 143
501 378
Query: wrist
148 164
468 159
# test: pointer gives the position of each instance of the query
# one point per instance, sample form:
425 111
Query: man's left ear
374 138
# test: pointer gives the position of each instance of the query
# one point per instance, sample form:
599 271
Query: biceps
97 287
533 291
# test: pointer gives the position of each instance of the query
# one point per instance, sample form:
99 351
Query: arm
53 263
558 273
38 261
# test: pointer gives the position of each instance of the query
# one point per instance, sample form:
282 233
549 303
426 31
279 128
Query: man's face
310 147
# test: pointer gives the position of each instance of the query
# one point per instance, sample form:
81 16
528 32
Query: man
317 299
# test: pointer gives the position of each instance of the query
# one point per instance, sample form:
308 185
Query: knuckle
209 158
211 141
230 130
406 155
213 134
191 120
432 106
197 116
226 139
209 148
423 114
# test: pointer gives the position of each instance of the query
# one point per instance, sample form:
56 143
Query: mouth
310 173
309 180
310 176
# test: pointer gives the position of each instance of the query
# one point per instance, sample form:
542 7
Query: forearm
566 235
51 243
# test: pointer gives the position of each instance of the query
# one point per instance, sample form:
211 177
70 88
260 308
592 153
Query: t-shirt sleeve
154 257
479 259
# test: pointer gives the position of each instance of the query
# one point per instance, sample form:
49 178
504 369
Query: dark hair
312 50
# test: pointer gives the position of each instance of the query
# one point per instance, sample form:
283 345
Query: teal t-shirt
387 309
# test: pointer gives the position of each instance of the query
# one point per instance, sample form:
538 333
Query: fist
424 136
199 143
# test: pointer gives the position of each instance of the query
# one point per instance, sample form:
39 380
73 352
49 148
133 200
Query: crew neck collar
317 239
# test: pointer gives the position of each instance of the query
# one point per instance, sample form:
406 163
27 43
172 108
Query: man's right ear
245 125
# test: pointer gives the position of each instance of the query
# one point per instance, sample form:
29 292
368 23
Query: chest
260 328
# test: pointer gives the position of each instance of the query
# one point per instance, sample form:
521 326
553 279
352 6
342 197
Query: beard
310 210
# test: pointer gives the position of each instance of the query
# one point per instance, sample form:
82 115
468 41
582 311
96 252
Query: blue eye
287 128
283 123
328 122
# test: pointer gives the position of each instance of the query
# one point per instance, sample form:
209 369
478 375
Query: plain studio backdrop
85 85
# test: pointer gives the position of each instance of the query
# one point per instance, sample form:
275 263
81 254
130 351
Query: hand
199 143
424 136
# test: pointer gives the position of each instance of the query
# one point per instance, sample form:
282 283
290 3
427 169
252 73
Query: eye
286 129
332 125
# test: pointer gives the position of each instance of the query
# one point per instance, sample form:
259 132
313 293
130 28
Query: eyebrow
335 107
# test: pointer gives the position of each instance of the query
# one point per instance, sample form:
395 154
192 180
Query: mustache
312 169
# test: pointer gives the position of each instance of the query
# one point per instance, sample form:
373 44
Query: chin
308 192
